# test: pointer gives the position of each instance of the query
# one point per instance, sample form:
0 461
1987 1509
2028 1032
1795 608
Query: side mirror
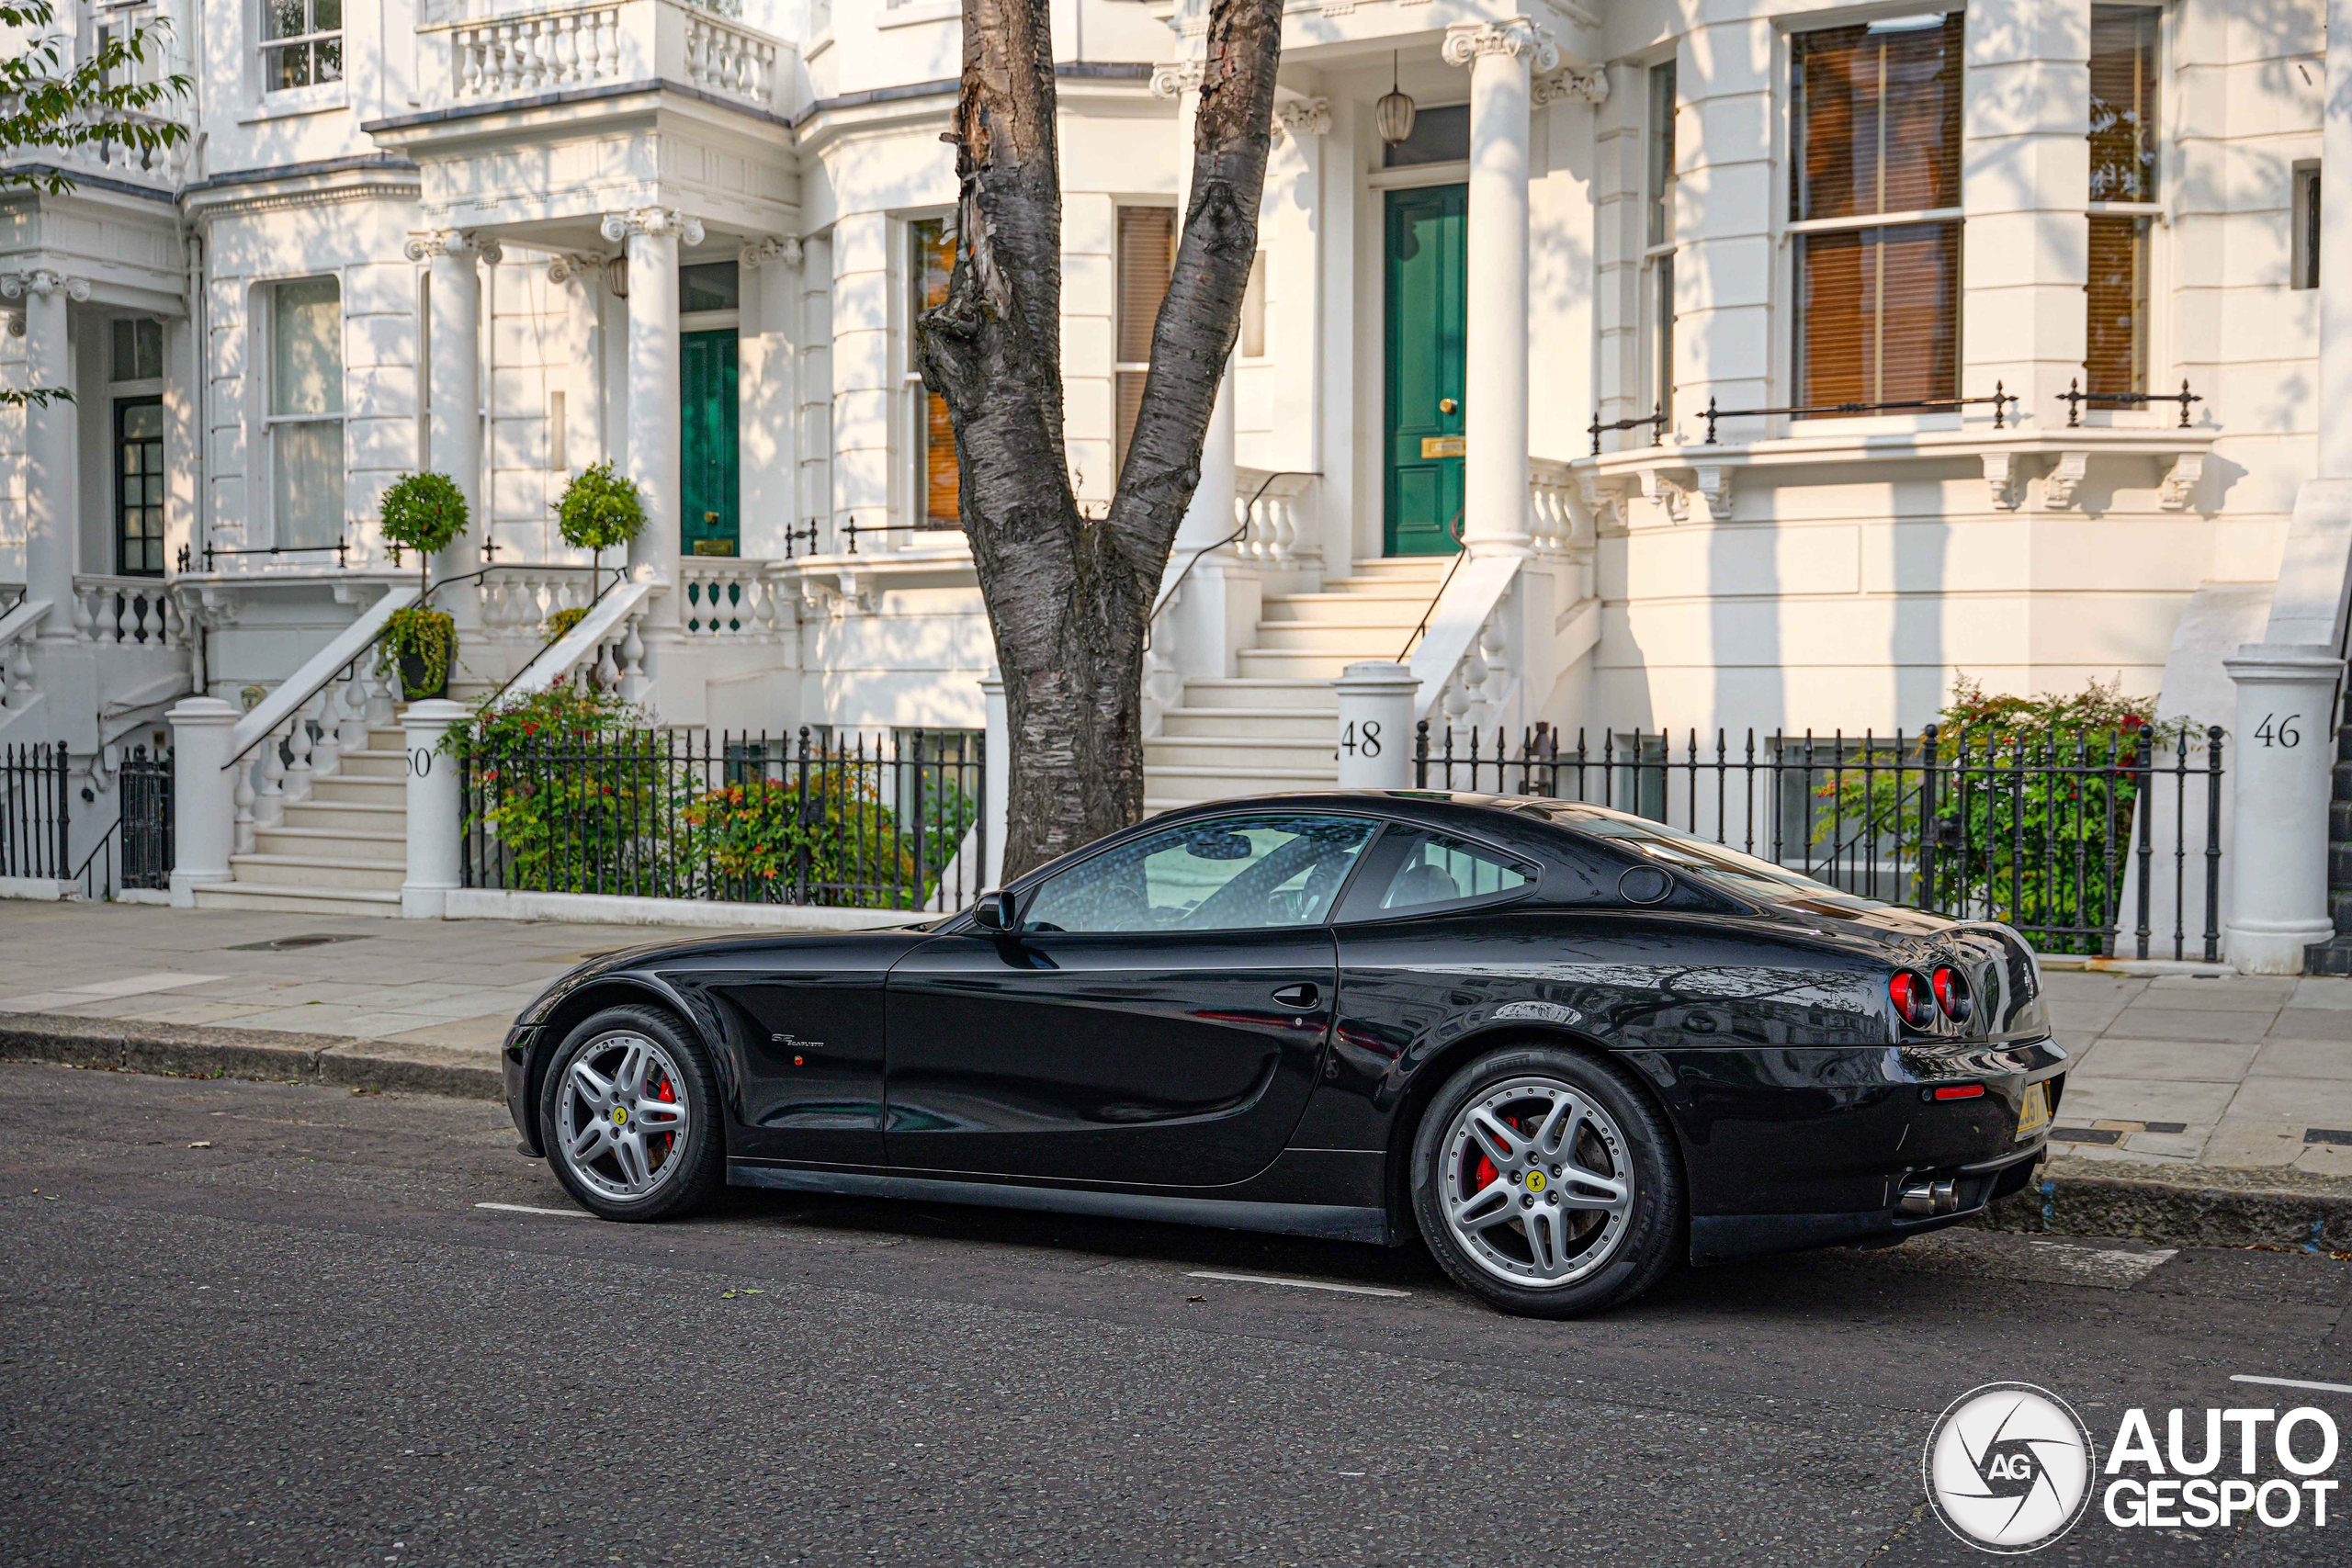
996 911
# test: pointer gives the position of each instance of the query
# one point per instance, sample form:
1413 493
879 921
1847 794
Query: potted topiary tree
599 509
422 512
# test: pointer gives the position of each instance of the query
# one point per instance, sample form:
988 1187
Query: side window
1226 873
1422 870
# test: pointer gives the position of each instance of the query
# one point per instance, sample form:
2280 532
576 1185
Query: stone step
311 871
1294 664
2339 908
367 819
1308 753
1246 724
2339 819
1259 694
2339 864
1394 569
383 849
1355 641
361 788
374 764
1199 783
296 899
1383 609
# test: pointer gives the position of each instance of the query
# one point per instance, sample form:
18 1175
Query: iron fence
34 811
145 824
889 821
2056 834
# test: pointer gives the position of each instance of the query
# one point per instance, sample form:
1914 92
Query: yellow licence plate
2034 1114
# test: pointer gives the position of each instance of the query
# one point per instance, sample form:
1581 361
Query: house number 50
2275 731
420 763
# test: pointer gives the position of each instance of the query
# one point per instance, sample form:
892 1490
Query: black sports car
1565 1046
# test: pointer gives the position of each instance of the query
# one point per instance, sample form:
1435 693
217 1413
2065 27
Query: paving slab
2193 1061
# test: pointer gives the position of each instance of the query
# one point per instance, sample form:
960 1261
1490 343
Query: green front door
709 480
1425 303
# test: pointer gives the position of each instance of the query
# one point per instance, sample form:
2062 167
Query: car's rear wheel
628 1114
1546 1184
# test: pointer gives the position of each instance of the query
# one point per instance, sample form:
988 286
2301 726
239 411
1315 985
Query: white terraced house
1612 364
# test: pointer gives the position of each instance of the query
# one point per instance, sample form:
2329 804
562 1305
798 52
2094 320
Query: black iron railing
35 813
2074 397
2001 399
2056 834
1657 419
145 824
340 548
871 821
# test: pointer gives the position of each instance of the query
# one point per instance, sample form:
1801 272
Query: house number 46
2277 731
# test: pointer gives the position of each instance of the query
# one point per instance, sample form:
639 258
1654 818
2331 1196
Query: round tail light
1952 995
1914 998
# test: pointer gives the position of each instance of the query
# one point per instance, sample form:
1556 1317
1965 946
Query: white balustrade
1267 507
112 611
517 604
730 600
530 53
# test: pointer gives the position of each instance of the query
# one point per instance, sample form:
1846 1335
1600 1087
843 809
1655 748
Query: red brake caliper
668 1096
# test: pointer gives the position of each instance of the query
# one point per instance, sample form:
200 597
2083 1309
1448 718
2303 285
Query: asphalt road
259 1323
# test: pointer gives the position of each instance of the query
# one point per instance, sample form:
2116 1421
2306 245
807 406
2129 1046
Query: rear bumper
1813 1146
1726 1238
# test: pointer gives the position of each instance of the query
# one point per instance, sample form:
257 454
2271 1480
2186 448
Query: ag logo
2008 1468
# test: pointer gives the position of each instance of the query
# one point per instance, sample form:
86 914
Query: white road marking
2104 1265
527 1209
1295 1284
2293 1382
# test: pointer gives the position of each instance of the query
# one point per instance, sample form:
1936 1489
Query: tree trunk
1067 596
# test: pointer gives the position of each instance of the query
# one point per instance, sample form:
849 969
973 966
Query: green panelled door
1425 306
709 478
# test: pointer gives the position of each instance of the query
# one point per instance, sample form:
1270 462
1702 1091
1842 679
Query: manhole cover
288 943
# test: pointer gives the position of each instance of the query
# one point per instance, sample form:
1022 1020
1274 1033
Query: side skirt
1331 1221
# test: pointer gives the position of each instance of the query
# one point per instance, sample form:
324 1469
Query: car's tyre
1545 1183
630 1117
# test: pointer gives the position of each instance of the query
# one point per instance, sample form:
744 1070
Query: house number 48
1365 739
2277 731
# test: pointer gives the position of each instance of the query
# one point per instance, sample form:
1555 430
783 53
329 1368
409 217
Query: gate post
203 804
435 820
1375 725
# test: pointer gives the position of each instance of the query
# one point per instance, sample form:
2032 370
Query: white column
2278 823
1375 733
434 807
654 426
996 779
49 444
203 805
1494 468
453 433
815 436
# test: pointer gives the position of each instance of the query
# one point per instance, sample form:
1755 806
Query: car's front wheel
1546 1184
628 1115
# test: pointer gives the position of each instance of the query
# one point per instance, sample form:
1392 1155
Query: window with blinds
1147 255
1657 252
1877 129
2123 191
931 258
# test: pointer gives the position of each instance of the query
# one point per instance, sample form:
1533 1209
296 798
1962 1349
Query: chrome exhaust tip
1929 1198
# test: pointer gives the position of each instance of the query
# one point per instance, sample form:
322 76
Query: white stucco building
506 239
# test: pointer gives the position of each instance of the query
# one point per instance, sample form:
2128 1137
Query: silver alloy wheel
615 1128
1561 1196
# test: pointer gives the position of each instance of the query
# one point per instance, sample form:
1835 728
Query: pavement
267 1324
2183 1078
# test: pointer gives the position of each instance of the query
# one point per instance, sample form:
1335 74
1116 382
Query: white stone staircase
344 850
1271 726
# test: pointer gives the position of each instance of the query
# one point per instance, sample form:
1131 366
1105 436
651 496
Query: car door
1159 1018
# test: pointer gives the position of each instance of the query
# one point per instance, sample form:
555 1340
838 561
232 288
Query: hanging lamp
1394 113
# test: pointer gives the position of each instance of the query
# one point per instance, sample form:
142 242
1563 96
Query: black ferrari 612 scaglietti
1564 1046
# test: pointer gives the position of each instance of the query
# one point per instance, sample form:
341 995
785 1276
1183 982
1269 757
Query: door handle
1302 995
1447 405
